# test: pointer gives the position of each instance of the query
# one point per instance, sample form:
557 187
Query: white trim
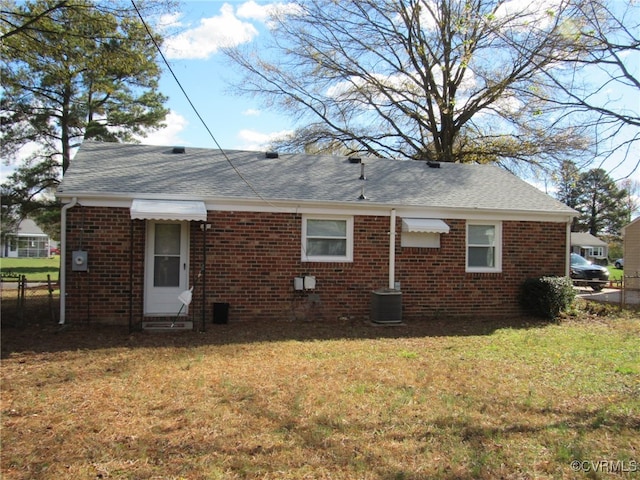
330 208
567 270
333 209
392 249
167 296
497 245
348 257
63 259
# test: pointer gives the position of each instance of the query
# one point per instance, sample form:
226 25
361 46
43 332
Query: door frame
172 305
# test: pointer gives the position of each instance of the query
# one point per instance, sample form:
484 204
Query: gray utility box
386 306
79 260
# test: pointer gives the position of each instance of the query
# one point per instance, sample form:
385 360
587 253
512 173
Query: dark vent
178 150
354 160
433 164
271 155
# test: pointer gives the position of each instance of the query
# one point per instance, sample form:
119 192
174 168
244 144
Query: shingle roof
586 239
29 227
132 169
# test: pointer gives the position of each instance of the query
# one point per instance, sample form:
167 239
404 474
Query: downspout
131 276
63 257
204 274
392 249
567 260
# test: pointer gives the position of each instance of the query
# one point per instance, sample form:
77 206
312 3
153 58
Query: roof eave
364 207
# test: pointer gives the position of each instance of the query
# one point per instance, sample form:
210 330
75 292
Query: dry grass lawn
443 400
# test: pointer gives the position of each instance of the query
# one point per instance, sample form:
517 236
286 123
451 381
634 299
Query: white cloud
253 11
168 21
252 140
169 135
213 33
541 13
263 13
223 30
251 112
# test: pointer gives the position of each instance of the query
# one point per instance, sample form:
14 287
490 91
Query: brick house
296 237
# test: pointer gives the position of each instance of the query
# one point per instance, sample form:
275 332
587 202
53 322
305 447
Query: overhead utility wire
194 107
201 119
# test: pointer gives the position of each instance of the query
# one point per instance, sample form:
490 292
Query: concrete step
167 325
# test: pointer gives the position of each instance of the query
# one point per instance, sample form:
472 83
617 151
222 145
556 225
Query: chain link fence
24 302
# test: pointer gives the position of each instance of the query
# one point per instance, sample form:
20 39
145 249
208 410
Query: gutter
241 204
63 258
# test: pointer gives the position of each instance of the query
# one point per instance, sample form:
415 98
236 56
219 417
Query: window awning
168 210
424 225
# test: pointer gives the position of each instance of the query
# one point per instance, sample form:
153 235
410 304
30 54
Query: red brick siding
252 258
102 294
434 281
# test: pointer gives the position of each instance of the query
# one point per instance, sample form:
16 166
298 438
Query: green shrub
546 297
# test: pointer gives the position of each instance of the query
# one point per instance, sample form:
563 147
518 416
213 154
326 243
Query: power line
226 157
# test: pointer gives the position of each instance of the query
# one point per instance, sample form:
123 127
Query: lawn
615 273
35 269
336 400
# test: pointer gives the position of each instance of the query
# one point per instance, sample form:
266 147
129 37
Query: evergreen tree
566 183
70 71
601 204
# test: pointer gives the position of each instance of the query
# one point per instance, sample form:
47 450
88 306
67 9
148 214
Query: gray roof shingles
134 169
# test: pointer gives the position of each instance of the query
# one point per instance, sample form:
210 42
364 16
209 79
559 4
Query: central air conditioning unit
386 306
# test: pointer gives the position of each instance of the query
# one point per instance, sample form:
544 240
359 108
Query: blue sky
193 49
194 36
194 55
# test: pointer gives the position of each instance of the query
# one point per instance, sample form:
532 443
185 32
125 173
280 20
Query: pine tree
601 204
70 71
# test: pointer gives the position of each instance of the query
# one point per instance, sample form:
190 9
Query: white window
484 247
327 239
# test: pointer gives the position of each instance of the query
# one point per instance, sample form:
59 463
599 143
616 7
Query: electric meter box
79 261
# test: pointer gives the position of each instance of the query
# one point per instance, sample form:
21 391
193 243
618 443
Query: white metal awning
168 210
424 225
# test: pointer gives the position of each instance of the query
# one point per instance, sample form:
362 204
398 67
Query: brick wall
115 247
252 258
434 281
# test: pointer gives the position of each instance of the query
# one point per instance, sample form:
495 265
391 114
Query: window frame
348 257
497 247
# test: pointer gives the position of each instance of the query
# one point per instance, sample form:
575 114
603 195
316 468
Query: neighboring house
27 241
297 236
631 237
590 247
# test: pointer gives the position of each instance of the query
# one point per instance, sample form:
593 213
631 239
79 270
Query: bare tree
631 202
595 80
444 80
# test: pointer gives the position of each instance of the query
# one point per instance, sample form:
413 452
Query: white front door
166 267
